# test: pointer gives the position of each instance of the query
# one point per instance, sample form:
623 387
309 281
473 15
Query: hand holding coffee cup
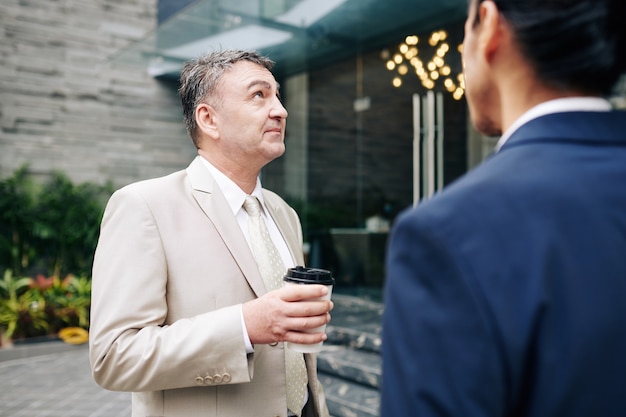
305 276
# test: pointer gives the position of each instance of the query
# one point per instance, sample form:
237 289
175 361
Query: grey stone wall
67 104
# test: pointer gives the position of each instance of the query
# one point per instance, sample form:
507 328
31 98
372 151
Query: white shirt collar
235 196
559 105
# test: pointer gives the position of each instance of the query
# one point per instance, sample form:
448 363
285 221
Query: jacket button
199 380
274 344
226 378
208 380
217 378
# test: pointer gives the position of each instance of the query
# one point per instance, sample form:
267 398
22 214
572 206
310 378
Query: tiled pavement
57 384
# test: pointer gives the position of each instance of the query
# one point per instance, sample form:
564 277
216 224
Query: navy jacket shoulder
514 279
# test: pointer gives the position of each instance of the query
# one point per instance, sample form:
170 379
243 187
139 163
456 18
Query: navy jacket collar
601 128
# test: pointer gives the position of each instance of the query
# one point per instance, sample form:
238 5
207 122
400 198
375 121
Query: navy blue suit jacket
506 292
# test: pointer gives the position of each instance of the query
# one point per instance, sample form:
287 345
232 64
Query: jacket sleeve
133 347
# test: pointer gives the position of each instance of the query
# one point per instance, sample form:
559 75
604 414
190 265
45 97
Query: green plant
67 301
49 227
17 202
67 219
80 292
45 305
22 309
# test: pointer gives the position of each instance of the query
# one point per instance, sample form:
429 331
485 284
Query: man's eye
259 94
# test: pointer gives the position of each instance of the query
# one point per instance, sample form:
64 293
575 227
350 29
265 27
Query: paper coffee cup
304 276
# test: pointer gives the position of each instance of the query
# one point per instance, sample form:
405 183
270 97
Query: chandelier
436 71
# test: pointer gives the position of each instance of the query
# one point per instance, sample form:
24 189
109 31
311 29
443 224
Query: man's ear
206 120
492 28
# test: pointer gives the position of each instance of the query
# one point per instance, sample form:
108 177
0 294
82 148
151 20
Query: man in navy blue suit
506 292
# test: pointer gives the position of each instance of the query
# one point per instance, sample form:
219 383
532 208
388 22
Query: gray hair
199 79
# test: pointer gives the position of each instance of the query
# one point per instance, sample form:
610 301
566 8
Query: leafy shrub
49 228
37 307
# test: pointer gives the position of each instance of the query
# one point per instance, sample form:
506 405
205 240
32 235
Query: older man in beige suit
180 313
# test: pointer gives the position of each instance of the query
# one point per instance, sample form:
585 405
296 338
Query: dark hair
578 44
199 79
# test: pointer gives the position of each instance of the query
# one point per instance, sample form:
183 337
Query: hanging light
433 71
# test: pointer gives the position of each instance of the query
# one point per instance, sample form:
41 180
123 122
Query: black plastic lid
302 275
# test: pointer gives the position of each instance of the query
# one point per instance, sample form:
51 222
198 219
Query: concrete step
353 365
349 399
349 365
355 323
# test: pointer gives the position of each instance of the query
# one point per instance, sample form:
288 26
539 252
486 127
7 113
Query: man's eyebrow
262 83
265 84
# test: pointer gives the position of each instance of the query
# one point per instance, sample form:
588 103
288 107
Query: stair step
356 323
348 399
353 365
364 339
349 365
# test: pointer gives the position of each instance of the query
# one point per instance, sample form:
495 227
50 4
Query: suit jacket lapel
213 203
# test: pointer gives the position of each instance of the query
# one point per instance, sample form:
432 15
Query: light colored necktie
272 270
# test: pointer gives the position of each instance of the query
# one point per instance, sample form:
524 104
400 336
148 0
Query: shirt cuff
246 338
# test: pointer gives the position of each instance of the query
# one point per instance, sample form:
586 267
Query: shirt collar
559 105
234 195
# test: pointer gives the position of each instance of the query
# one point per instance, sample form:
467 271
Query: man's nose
278 110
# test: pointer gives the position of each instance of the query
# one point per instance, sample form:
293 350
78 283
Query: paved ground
56 384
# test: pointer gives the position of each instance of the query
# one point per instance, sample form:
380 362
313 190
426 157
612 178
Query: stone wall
67 104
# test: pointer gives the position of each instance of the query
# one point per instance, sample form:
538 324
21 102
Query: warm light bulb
397 82
397 58
431 66
434 75
411 40
404 48
403 69
445 70
391 65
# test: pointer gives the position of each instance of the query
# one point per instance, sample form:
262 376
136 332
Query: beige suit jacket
171 271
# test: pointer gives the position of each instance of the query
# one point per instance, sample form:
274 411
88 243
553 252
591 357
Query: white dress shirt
235 197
